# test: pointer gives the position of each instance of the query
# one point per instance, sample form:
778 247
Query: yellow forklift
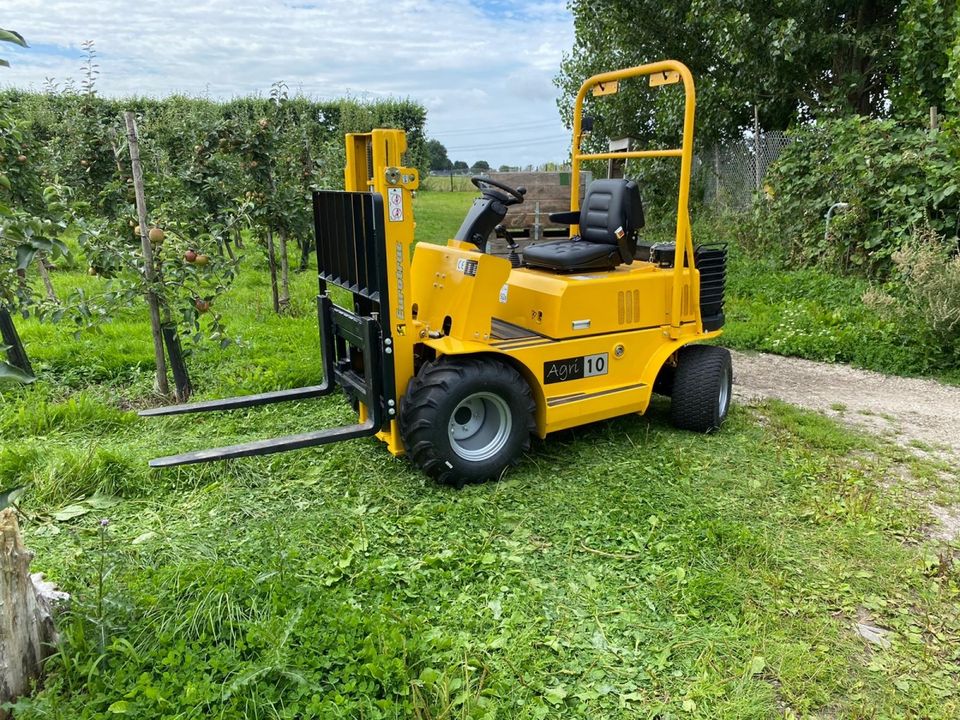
457 357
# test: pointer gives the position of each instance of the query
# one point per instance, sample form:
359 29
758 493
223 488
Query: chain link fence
732 173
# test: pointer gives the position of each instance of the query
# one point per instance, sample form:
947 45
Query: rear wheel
466 419
702 387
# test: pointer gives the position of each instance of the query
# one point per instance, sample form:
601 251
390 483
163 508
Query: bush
895 179
926 290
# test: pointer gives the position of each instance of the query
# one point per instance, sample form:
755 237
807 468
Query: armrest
570 217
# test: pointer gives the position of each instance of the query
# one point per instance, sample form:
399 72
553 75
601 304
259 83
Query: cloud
484 70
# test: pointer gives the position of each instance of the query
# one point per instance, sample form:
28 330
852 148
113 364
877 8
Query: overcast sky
483 69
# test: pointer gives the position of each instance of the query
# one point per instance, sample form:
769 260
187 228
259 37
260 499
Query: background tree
793 59
460 165
480 166
436 155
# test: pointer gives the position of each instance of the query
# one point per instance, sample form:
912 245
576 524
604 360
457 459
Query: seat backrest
611 214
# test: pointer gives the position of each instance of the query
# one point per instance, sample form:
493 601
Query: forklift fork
351 343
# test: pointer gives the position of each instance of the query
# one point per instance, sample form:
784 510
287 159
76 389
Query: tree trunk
45 276
27 632
284 271
272 262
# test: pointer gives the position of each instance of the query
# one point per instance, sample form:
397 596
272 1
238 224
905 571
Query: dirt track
910 411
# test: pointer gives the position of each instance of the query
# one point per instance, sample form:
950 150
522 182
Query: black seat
611 215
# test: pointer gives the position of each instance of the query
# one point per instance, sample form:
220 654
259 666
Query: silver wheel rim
724 394
480 426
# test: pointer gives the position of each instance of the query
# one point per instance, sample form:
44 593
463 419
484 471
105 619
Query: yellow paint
452 299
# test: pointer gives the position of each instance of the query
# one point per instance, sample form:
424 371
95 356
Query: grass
622 570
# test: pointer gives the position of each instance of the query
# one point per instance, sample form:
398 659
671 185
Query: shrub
894 178
926 289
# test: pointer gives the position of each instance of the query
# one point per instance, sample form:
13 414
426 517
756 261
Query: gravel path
910 411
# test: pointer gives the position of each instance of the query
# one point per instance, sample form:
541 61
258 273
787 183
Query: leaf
120 707
25 254
12 37
102 502
555 695
757 664
12 373
70 512
145 537
688 705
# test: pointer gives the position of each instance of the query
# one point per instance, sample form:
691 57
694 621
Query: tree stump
27 631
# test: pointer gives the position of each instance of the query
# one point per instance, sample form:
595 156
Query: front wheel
466 419
702 386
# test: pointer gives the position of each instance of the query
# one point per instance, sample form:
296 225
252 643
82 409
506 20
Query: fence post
756 145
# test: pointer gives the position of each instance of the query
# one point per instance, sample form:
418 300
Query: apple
202 259
156 235
91 270
190 256
201 305
21 159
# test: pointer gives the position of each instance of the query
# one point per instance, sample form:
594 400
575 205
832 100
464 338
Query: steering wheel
515 195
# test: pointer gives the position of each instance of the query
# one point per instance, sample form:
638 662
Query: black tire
702 387
496 412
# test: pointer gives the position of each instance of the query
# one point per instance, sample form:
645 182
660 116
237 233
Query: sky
483 69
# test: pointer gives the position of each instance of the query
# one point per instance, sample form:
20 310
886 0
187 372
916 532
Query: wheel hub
479 426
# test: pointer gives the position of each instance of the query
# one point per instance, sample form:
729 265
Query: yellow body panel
485 300
589 344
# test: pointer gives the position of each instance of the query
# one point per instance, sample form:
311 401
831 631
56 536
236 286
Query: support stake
148 267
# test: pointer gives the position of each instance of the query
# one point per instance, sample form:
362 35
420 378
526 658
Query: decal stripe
564 399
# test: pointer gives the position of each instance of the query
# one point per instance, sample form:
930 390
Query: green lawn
624 569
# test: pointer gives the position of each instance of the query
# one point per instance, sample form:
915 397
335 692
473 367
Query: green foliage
927 35
952 76
791 58
896 179
32 215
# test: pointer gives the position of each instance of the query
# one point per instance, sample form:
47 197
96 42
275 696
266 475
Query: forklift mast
364 239
374 165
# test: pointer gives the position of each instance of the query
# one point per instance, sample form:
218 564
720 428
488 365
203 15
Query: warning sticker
395 204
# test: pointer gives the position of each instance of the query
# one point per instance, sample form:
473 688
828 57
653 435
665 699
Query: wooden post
27 633
148 267
272 264
284 271
45 276
934 118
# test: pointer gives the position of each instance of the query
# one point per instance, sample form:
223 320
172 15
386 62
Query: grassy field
622 570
